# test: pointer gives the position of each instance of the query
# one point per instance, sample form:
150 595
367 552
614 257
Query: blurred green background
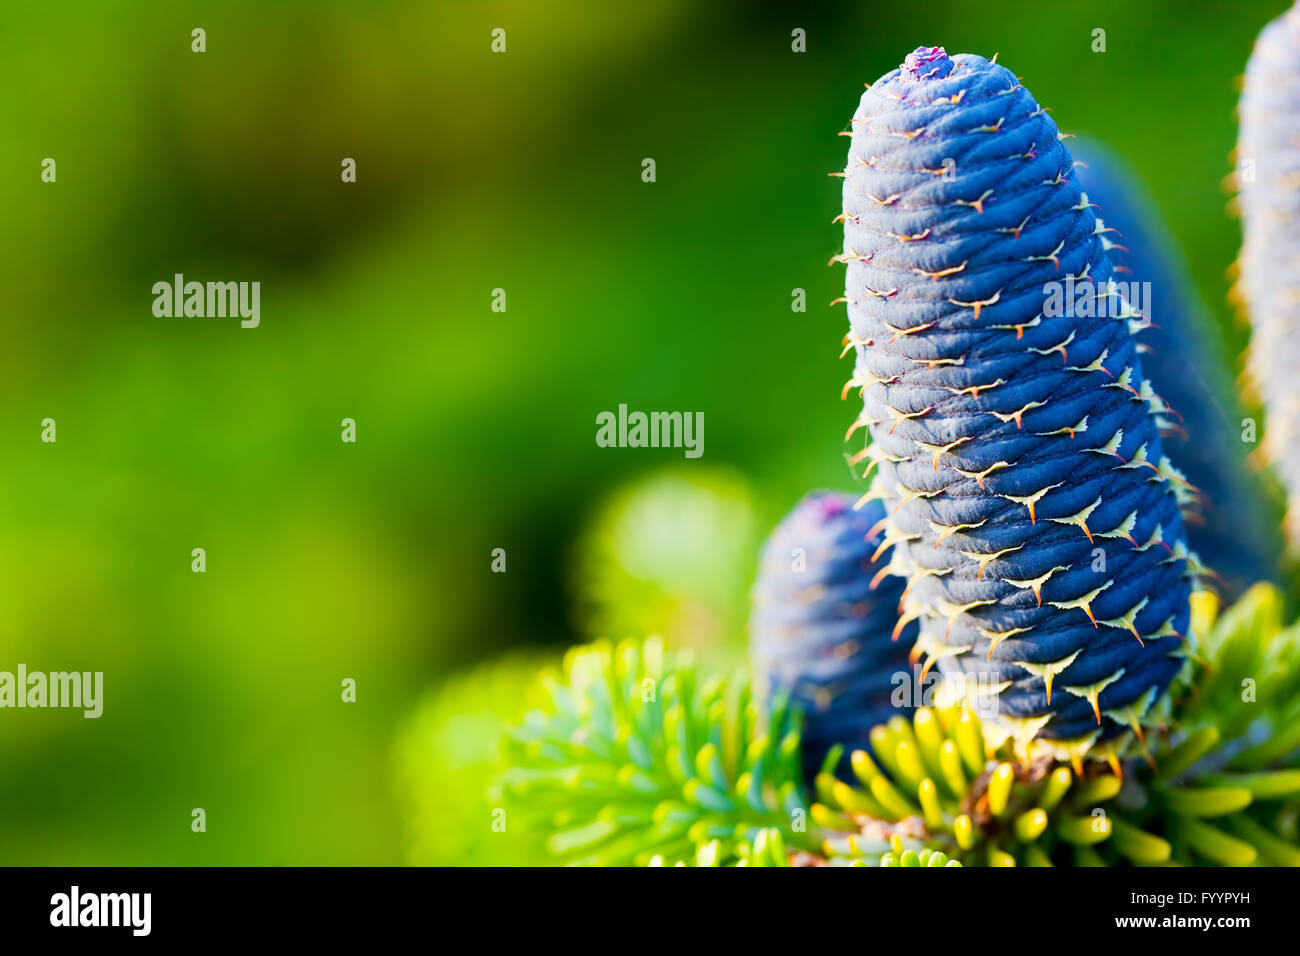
476 429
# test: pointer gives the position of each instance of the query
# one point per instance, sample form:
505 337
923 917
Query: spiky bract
1230 525
822 630
1031 507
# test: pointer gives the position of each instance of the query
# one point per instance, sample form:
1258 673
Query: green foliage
766 850
630 757
672 554
446 756
934 782
896 855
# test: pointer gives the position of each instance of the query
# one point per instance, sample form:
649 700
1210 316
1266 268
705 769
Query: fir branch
631 757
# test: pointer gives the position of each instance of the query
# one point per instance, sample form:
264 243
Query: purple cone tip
926 62
824 505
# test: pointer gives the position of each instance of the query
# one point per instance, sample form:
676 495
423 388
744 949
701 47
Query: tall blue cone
1230 525
1014 442
1268 173
823 624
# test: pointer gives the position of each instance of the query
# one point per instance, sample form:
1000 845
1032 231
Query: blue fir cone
823 626
1268 163
1013 440
1230 524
